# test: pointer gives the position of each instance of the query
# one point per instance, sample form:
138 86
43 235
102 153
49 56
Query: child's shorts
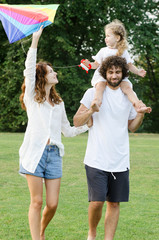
49 166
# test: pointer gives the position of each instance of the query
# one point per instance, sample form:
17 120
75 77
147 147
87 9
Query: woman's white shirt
44 121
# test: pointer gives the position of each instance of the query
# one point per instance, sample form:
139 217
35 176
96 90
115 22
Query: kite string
38 27
54 66
67 66
26 53
23 45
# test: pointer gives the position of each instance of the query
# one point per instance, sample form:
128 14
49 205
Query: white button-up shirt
44 121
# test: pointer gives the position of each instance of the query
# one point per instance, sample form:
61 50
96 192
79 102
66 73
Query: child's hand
141 72
86 62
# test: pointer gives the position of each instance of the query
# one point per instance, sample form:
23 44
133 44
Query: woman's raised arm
36 36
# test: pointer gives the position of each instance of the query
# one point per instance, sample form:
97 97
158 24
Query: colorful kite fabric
19 21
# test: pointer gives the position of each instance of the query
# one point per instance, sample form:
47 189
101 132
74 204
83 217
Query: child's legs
127 81
35 185
126 88
97 78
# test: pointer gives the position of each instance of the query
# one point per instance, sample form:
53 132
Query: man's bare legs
52 196
94 216
111 219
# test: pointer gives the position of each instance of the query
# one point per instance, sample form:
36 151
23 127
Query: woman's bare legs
52 196
35 185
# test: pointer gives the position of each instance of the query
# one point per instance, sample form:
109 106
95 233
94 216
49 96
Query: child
116 45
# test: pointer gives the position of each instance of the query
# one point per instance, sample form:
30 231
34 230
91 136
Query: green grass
139 219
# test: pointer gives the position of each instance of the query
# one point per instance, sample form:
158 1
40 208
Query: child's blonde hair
118 28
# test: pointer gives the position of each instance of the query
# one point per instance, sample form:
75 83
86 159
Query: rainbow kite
19 21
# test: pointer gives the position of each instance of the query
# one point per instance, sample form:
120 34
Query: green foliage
78 33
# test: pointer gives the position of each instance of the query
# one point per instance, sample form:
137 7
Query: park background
77 33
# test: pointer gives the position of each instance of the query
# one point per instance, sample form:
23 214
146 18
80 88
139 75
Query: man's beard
114 84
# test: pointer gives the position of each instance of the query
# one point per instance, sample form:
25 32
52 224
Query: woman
41 152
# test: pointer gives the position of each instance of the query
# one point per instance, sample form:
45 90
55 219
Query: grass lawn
139 219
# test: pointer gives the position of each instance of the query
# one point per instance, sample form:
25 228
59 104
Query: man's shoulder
90 90
88 95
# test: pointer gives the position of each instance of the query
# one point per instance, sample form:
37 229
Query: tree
78 32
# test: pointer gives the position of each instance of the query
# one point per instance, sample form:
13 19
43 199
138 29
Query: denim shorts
107 186
49 166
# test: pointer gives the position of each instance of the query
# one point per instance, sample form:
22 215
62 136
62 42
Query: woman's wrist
34 43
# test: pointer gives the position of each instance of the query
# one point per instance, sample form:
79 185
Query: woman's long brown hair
40 94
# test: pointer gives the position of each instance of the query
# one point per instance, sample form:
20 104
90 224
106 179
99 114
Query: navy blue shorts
49 166
106 186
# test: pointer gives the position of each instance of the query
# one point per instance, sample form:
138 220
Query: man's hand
94 106
90 122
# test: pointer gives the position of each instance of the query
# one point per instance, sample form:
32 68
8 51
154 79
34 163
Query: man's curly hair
116 61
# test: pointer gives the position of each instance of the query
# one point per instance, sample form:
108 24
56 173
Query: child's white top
107 52
44 121
101 55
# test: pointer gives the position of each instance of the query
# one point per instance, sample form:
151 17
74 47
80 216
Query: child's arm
135 70
100 86
94 65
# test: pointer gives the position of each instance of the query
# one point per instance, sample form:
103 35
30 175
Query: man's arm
84 115
134 124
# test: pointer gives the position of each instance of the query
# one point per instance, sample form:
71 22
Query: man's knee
114 205
97 205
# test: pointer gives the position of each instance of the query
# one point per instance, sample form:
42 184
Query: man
107 154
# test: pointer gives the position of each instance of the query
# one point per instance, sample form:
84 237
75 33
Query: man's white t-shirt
101 56
108 140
